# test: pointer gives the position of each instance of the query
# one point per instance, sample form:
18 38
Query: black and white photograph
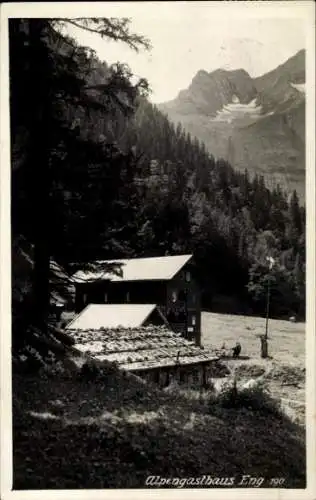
157 233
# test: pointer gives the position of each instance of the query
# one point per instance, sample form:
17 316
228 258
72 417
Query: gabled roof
141 348
96 316
142 269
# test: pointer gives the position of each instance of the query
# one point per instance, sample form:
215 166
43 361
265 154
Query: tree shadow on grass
116 439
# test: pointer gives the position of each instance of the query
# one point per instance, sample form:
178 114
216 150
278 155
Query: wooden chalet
152 352
167 282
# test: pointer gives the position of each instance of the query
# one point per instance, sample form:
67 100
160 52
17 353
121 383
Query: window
174 296
105 297
193 320
187 276
85 298
195 375
128 297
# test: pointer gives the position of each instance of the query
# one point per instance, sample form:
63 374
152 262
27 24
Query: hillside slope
117 431
105 428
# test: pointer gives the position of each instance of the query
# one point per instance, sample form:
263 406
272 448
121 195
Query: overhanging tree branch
112 28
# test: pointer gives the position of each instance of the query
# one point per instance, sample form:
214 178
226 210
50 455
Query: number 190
277 481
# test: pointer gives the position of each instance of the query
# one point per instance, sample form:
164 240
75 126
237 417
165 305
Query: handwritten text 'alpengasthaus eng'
244 481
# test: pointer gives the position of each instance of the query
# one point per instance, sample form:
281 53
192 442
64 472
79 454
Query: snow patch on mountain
299 86
236 110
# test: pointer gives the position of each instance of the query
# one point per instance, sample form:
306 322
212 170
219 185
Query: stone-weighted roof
140 348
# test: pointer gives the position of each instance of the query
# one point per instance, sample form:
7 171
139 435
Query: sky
189 36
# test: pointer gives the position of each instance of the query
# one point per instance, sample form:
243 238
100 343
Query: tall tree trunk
39 171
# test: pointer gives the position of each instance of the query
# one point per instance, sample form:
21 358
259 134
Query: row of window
175 296
105 298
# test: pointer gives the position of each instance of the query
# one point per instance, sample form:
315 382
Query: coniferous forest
99 172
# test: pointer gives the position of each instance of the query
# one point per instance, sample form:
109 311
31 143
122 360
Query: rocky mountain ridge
255 123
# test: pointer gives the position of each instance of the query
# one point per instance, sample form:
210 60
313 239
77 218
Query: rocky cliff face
209 92
258 124
284 86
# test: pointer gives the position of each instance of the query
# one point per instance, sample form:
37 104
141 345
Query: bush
287 375
219 369
89 371
250 371
98 370
256 398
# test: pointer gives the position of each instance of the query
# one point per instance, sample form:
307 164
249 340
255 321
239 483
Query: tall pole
268 306
264 338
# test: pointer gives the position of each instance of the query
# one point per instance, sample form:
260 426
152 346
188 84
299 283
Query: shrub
256 398
252 371
89 371
287 375
219 369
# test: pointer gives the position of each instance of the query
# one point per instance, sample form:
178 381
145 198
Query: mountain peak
209 92
227 72
201 74
293 68
258 123
276 89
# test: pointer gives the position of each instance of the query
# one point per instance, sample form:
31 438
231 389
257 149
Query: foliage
195 203
109 28
256 398
62 172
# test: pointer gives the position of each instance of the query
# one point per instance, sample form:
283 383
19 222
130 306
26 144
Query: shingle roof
141 348
96 316
142 269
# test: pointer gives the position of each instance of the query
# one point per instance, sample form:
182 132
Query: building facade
165 281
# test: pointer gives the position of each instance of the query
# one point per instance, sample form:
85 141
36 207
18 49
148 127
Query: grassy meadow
284 370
